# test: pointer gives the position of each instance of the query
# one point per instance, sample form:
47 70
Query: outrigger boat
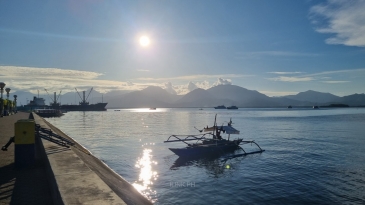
216 145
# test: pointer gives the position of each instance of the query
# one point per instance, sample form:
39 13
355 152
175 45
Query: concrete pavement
61 175
26 186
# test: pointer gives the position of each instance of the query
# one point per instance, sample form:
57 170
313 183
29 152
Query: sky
276 47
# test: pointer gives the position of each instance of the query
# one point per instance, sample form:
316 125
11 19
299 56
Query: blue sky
275 47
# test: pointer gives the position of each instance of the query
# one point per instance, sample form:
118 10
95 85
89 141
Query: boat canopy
226 129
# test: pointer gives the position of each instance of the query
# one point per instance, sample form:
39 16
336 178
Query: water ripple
311 157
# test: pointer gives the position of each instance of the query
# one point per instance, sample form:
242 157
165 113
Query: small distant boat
201 109
216 145
116 110
152 108
220 107
315 107
290 106
232 107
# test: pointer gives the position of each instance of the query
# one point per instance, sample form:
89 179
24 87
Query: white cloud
334 81
203 85
259 54
170 88
192 78
338 71
291 79
222 81
46 73
338 76
285 73
186 88
345 19
54 79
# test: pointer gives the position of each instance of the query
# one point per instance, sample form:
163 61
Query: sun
144 41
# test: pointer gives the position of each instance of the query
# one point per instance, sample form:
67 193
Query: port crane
54 101
84 102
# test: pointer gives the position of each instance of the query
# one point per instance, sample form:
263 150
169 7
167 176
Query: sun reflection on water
146 175
148 110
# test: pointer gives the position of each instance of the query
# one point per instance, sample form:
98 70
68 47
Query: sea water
313 156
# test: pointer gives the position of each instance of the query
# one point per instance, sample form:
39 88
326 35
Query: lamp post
7 110
7 93
15 104
2 85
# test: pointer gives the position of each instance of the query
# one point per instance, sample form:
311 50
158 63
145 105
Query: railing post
24 141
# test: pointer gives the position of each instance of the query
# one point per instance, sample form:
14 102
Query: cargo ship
39 103
84 105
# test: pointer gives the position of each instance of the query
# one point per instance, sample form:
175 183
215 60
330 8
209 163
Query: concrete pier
61 175
26 186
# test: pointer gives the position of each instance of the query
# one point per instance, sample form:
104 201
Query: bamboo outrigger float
216 145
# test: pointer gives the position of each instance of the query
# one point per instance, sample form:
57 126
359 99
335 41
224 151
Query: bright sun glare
144 41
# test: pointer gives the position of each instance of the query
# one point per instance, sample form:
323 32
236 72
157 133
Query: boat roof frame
187 138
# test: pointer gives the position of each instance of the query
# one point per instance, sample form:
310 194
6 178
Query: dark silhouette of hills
354 100
218 95
314 97
196 98
152 96
228 95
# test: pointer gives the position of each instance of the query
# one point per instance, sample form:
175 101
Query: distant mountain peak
314 96
313 91
153 87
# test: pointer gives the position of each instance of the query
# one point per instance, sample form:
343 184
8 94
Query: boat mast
215 120
78 93
83 98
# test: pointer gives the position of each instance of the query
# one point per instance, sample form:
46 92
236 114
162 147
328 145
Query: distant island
336 105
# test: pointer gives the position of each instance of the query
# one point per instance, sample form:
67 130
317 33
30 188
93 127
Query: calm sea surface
311 157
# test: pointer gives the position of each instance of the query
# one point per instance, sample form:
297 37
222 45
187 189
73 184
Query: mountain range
227 95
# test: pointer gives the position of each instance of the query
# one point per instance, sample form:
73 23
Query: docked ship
84 105
36 103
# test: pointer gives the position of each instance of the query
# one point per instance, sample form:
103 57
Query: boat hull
201 150
48 112
92 107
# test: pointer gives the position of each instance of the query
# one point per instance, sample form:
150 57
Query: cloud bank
169 88
344 19
336 76
291 79
222 81
54 79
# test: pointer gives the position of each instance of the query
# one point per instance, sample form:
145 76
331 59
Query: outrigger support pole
244 152
187 138
254 143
